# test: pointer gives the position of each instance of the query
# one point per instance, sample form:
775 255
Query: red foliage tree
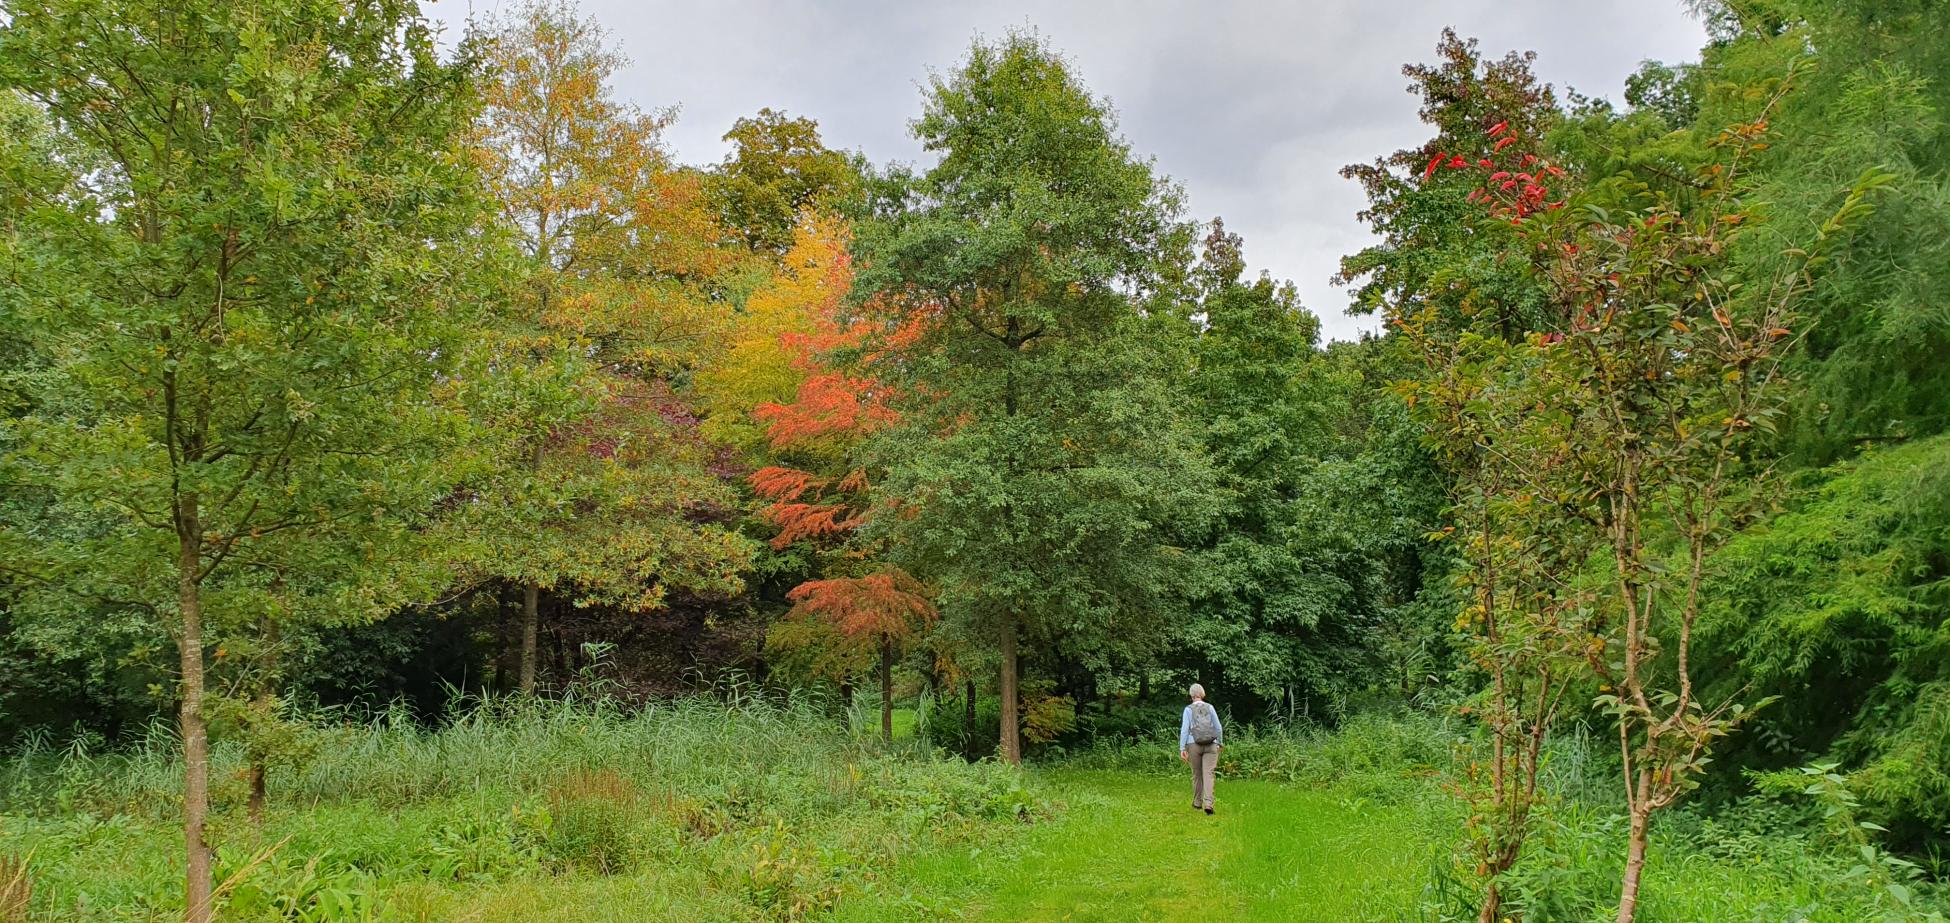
860 602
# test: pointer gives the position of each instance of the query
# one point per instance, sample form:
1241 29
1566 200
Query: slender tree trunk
504 630
268 700
255 808
1628 899
531 620
1492 905
531 600
1144 686
968 719
196 740
886 688
846 698
1011 733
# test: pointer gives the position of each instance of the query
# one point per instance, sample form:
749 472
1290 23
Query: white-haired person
1200 738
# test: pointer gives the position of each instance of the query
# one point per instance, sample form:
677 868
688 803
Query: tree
770 346
1280 595
1428 253
600 478
244 311
1872 96
1669 371
776 172
1520 531
1522 539
791 347
1835 606
1040 461
881 609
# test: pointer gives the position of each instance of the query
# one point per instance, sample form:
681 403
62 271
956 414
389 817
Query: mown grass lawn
1128 848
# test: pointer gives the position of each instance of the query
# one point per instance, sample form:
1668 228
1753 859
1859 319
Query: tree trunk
196 740
1011 733
846 701
886 688
1628 899
1144 686
1492 905
968 719
531 620
504 634
531 600
255 808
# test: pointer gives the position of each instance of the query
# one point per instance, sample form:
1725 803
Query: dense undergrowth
517 809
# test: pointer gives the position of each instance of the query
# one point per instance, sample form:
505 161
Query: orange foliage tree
598 488
794 335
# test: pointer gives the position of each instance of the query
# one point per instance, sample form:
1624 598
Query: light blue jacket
1185 728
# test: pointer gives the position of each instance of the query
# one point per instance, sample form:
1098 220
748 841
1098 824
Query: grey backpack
1205 724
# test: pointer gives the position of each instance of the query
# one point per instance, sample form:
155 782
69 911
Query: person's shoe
1208 810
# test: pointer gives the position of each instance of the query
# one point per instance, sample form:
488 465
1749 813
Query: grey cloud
1252 107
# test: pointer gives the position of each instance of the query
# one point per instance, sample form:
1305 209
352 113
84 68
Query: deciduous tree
1041 460
600 481
245 309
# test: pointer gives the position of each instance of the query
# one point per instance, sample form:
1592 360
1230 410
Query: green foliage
777 171
1834 606
1042 464
279 370
1318 528
1872 96
1432 253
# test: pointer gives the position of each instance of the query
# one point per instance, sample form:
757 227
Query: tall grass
728 808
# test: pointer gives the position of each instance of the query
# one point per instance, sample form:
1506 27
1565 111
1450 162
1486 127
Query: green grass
767 813
521 811
1128 847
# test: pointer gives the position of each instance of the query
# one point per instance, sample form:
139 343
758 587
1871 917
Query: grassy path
1130 849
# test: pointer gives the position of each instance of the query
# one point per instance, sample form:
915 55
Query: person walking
1200 737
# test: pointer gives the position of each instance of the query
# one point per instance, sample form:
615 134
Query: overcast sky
1252 107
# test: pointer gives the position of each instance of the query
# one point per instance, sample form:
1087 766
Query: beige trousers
1204 759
